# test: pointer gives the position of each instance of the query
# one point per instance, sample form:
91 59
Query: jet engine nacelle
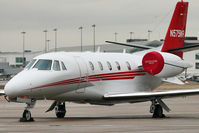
163 64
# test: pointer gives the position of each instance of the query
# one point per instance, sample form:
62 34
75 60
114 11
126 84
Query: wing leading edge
151 95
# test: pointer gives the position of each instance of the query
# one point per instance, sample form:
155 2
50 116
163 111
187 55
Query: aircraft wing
2 92
151 95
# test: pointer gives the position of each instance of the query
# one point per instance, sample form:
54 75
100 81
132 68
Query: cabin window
43 64
63 66
91 65
128 65
196 65
109 65
118 65
197 56
56 65
100 65
29 65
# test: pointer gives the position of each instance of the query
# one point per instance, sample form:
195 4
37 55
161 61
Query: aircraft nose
16 86
9 89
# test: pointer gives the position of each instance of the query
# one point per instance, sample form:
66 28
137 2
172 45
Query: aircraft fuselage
87 78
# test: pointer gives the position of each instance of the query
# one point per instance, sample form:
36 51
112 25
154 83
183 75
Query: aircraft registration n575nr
105 78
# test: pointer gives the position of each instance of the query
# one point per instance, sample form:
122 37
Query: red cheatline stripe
130 74
98 77
117 73
122 78
103 79
58 83
112 77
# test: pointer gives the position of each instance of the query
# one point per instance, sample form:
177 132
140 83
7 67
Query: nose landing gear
26 116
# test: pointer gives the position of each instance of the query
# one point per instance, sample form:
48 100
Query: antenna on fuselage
124 51
81 28
98 49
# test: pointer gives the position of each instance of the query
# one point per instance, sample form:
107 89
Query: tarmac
121 118
85 118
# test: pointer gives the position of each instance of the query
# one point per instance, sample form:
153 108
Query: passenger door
83 74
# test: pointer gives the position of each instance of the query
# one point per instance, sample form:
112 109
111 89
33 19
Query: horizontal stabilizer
145 96
184 49
131 45
173 80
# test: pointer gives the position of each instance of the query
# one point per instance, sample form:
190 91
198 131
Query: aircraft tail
176 32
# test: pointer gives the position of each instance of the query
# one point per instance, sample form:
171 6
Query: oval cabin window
118 65
128 65
91 65
109 65
100 65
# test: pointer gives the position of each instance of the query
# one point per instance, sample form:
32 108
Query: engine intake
153 62
162 64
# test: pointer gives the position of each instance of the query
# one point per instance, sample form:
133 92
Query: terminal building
12 62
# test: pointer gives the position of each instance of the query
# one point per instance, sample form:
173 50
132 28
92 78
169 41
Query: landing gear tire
158 112
26 117
60 110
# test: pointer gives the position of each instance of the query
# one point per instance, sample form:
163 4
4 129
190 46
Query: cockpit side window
43 64
56 65
29 65
63 66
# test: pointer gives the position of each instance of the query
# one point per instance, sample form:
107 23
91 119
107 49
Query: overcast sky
110 16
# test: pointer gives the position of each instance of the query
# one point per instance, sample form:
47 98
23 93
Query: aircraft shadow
87 118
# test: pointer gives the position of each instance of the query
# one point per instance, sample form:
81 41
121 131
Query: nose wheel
26 117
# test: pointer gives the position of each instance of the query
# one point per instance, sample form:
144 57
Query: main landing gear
157 107
60 110
26 116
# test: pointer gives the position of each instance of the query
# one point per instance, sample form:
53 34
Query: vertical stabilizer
177 28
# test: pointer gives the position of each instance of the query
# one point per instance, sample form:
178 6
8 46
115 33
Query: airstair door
83 74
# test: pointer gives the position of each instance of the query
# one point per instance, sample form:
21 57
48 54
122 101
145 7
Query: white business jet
105 78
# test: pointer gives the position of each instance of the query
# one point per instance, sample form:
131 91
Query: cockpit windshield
29 65
56 66
43 64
